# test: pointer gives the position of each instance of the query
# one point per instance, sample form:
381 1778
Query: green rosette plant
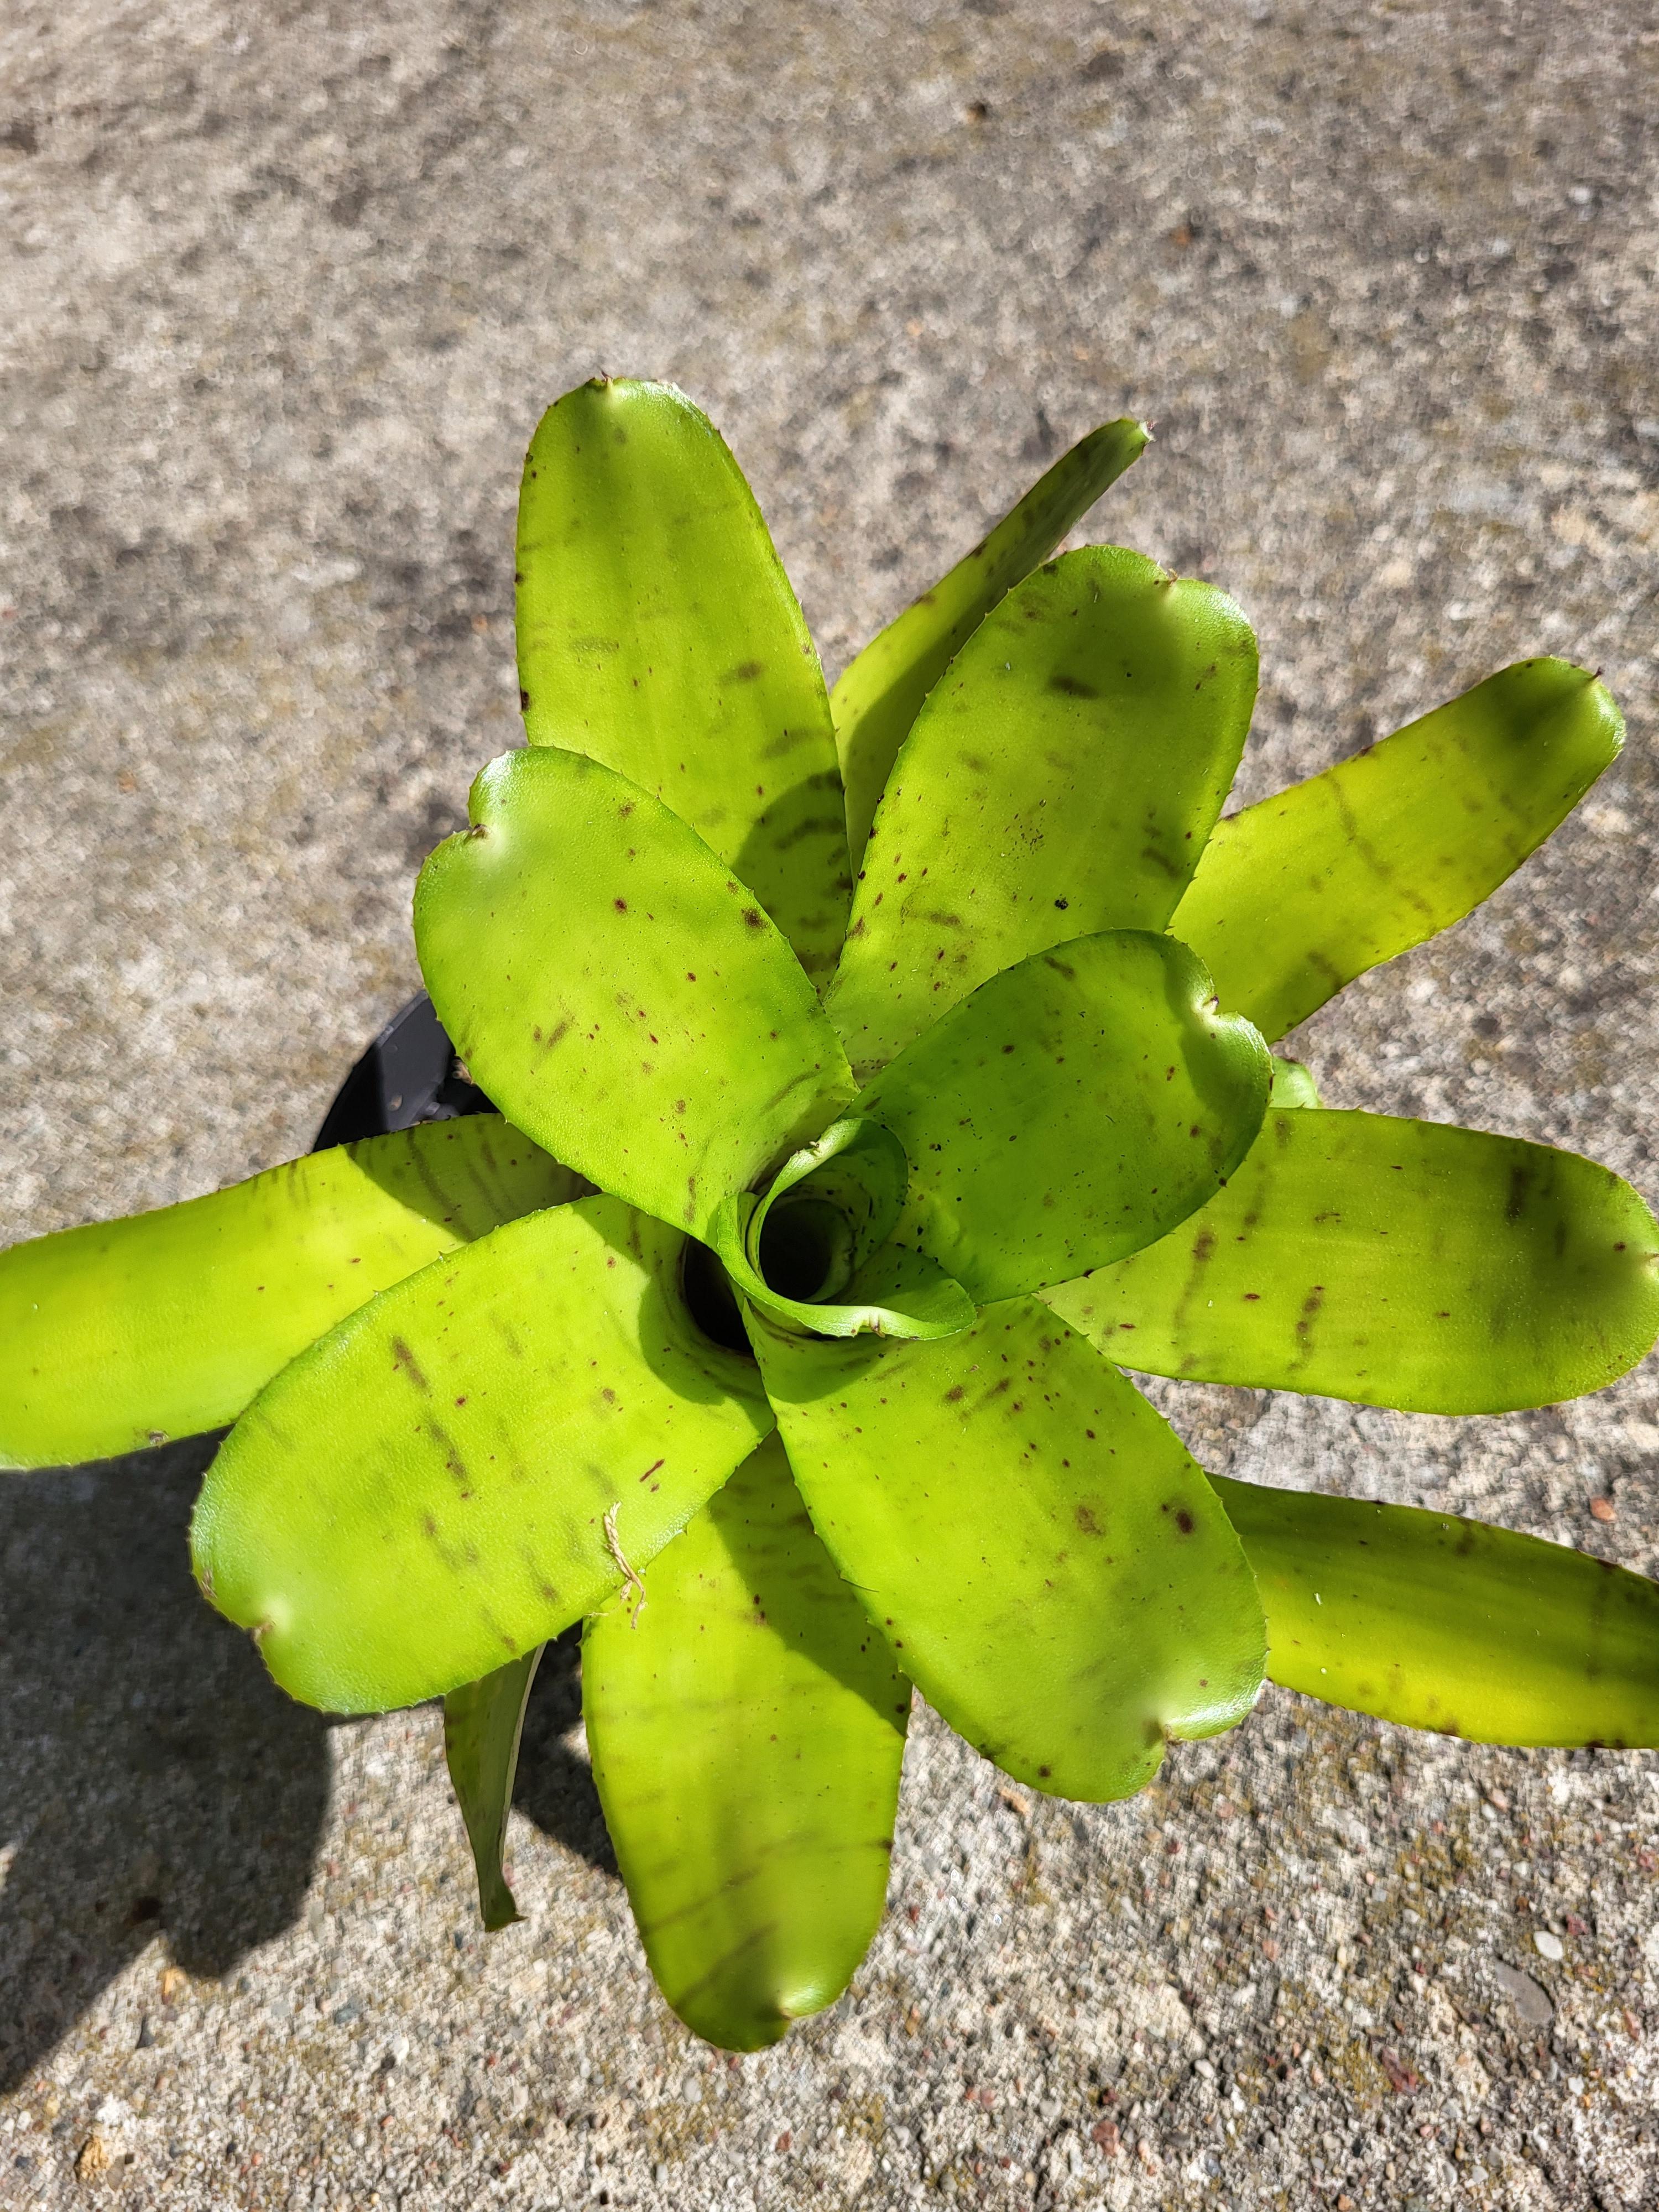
876 1071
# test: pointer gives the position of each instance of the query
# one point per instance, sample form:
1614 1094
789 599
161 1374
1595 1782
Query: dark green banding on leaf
483 1722
1398 1263
1061 780
879 695
389 1539
747 1736
616 987
1083 1102
1045 1560
125 1333
1296 895
658 633
1441 1623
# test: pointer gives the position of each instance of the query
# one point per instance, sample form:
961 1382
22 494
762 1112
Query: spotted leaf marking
1046 1562
1296 895
394 1537
879 695
1441 1623
125 1333
746 1741
1061 780
1398 1263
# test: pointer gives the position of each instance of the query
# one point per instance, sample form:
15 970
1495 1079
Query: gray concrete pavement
285 288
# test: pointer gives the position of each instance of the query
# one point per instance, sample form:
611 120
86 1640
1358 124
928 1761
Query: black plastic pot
409 1074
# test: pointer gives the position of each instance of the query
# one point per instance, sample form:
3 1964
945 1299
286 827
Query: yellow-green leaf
1061 779
1398 1263
659 633
1442 1623
619 991
879 693
1296 895
166 1324
747 1727
1048 1563
1081 1103
473 1461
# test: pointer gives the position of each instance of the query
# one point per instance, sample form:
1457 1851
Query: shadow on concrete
555 1787
153 1779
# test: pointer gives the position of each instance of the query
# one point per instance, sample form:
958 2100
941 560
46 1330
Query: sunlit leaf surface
878 696
1079 1105
1447 1624
657 633
125 1333
619 992
1061 779
747 1728
1296 895
1049 1565
473 1461
1399 1263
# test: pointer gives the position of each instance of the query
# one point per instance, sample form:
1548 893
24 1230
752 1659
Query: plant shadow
554 1785
155 1780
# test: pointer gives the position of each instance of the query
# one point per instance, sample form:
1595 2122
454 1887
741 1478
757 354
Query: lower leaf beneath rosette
1049 1565
483 1722
473 1461
747 1727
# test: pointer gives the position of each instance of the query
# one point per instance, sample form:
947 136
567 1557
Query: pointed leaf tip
879 695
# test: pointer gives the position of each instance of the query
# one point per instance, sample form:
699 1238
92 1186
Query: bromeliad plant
874 1073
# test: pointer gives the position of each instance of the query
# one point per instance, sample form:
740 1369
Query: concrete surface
285 288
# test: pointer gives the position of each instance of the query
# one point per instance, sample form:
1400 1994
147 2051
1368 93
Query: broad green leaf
1296 895
1083 1102
483 1722
747 1729
126 1332
1446 1624
879 693
473 1461
1061 779
1398 1263
659 634
1048 1563
619 992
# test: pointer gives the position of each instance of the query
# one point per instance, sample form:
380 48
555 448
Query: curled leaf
1079 1105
